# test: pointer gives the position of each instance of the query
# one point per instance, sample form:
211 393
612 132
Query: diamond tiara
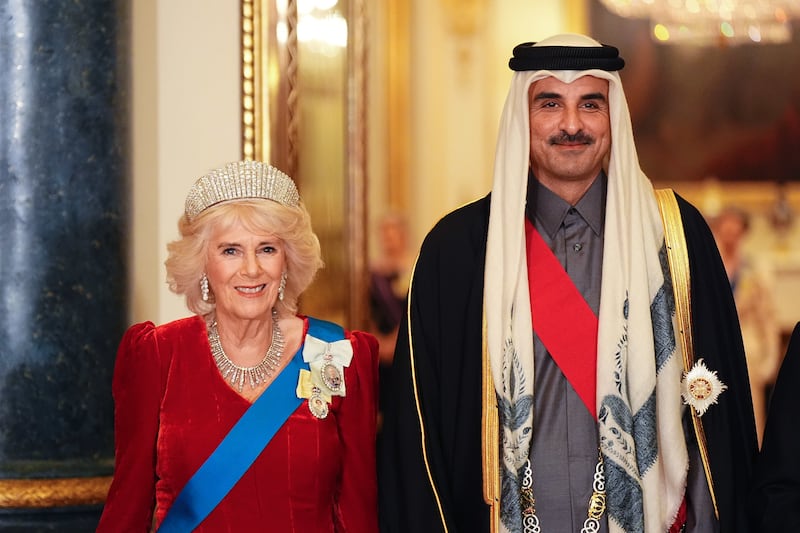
236 181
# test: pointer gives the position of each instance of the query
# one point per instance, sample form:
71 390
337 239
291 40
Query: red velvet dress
172 408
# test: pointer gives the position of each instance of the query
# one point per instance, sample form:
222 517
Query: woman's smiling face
244 272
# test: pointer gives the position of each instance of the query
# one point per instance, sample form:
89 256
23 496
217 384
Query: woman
198 399
752 286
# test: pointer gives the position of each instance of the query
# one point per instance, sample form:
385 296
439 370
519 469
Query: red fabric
570 333
680 520
314 476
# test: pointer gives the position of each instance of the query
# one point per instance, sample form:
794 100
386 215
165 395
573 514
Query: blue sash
244 442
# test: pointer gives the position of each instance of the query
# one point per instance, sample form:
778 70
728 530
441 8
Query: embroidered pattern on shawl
625 464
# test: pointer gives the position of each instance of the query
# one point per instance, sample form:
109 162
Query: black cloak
446 313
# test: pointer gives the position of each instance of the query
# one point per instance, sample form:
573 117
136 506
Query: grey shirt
565 442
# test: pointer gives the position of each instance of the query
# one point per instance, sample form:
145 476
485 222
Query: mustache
566 138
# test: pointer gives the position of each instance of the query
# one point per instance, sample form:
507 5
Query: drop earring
282 286
204 287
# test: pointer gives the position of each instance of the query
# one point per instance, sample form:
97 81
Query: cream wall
458 87
186 120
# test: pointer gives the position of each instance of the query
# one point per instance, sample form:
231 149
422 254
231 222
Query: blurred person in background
388 285
752 286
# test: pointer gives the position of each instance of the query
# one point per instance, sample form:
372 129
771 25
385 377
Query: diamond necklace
253 375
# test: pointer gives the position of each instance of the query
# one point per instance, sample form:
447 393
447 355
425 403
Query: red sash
562 319
566 325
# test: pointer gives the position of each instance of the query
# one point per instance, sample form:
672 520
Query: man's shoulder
469 221
459 237
688 210
695 225
693 222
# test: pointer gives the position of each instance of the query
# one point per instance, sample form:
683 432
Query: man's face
570 129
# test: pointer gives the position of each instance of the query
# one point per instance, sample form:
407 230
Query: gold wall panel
304 111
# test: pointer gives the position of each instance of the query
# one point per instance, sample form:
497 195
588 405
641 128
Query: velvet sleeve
357 497
136 388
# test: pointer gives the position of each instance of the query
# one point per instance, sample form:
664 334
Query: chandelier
707 22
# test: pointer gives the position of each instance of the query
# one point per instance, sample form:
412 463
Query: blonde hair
186 262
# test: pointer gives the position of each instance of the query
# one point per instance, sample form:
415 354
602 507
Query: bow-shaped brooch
326 377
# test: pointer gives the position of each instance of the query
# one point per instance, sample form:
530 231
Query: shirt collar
550 209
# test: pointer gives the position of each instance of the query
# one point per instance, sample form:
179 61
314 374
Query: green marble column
64 117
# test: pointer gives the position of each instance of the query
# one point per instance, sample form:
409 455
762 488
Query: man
563 270
775 504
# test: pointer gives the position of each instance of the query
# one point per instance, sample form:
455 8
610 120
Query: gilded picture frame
304 111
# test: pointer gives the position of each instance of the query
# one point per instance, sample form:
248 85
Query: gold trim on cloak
678 258
419 407
490 440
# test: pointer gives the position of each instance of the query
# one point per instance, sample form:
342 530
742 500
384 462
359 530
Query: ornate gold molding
272 102
269 84
251 80
54 492
358 309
